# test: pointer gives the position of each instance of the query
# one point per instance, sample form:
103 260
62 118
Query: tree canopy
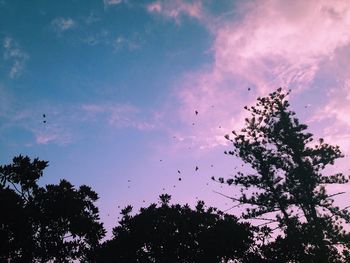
54 222
175 233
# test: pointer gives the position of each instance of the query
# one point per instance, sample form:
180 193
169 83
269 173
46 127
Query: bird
249 89
44 115
196 112
179 178
178 171
196 168
44 121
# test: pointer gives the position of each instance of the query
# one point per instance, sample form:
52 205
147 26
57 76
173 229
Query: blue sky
119 82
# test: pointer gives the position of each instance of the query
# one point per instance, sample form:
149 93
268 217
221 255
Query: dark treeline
292 217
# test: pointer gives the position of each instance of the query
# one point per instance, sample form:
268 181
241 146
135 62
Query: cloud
61 24
267 44
112 2
130 44
174 9
14 54
117 116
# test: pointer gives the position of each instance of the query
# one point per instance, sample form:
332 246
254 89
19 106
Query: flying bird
178 171
179 178
196 112
196 168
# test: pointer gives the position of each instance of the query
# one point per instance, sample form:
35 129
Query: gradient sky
120 80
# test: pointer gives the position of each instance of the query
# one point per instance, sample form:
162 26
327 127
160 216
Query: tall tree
287 183
52 223
175 233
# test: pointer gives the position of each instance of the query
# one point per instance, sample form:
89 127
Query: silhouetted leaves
288 185
54 222
175 233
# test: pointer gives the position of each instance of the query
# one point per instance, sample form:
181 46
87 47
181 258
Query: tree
288 185
52 223
175 233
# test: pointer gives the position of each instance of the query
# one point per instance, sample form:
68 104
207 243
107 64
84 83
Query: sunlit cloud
276 43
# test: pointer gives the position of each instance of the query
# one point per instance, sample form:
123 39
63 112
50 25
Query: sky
120 81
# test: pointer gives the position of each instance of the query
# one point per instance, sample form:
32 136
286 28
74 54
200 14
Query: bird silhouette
180 179
196 112
196 168
44 115
178 171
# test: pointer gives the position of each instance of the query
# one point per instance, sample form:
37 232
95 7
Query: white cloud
112 2
16 56
174 9
120 43
61 24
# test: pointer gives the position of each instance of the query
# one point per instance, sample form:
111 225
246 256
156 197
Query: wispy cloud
112 2
62 24
15 55
121 43
118 116
174 9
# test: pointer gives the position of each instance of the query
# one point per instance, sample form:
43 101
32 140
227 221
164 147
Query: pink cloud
275 43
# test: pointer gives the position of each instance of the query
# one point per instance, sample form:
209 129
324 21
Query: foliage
288 185
175 233
55 222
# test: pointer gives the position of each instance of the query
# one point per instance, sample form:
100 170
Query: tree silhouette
52 223
175 233
287 184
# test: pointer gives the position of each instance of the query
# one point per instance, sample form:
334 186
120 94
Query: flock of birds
44 120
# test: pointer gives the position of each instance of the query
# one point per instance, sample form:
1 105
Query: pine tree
289 184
